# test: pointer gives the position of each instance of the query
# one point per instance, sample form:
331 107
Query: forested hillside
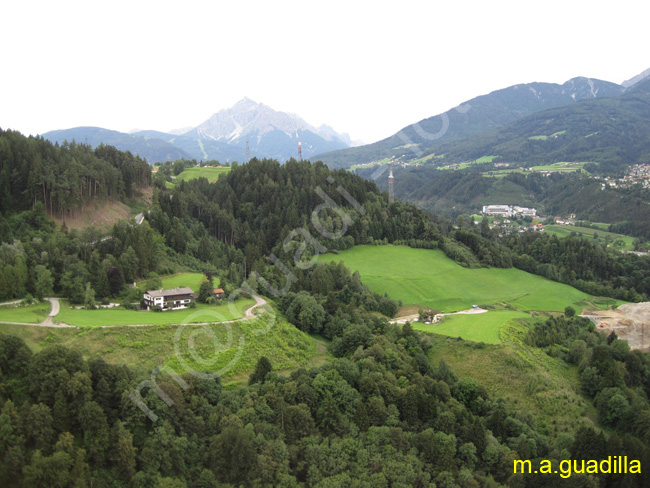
379 413
453 193
229 227
150 146
64 178
611 131
475 116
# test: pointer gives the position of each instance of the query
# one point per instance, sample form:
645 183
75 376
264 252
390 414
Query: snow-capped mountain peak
270 133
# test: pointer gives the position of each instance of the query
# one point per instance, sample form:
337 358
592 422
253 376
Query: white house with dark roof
173 299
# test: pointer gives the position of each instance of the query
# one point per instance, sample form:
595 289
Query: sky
365 68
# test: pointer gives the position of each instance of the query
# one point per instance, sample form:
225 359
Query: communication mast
299 149
391 178
248 152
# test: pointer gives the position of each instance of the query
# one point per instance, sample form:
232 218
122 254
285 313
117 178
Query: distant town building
525 211
509 211
173 299
500 210
561 221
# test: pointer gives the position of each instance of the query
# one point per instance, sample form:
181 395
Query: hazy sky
366 68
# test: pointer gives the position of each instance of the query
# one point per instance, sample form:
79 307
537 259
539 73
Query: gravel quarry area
629 321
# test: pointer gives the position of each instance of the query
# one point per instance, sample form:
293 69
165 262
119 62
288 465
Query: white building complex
508 211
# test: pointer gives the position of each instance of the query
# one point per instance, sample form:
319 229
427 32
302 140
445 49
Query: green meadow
354 167
597 236
179 280
25 313
120 316
467 164
545 138
485 327
216 346
428 278
527 378
561 167
211 173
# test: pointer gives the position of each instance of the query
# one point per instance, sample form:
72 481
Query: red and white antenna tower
299 149
391 178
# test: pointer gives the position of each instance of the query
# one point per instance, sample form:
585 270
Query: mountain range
486 114
612 132
223 136
509 123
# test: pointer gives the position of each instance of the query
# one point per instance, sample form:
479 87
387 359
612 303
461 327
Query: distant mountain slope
613 132
152 149
636 79
269 133
480 114
198 148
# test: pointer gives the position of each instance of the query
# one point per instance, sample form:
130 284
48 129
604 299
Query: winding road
55 307
48 322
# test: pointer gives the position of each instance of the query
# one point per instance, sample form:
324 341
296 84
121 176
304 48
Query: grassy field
371 164
467 164
427 158
545 138
561 167
211 173
178 280
428 278
144 348
617 241
119 316
528 379
30 314
485 327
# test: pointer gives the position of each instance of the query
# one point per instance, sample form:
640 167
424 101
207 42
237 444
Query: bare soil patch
630 322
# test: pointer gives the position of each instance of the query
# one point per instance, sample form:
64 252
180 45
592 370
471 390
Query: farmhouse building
218 293
173 299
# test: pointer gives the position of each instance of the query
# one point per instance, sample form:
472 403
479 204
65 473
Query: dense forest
379 415
65 178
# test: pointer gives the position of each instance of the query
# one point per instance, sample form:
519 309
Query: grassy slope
212 174
147 347
479 327
202 313
428 278
587 233
527 378
191 280
27 314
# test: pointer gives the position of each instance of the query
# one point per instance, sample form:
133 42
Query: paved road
248 314
48 322
54 311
